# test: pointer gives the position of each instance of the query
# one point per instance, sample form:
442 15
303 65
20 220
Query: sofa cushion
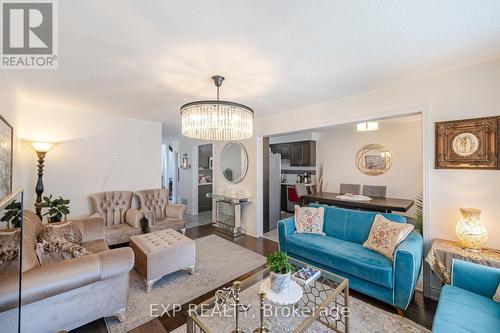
309 220
120 233
341 255
96 246
386 235
351 225
460 311
168 223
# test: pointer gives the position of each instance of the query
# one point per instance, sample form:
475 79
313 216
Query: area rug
364 318
217 262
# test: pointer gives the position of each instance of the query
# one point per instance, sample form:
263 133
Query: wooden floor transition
421 310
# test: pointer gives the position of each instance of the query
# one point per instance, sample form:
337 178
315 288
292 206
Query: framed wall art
6 142
468 144
374 160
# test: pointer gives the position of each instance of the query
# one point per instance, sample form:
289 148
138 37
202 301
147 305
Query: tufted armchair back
154 201
112 205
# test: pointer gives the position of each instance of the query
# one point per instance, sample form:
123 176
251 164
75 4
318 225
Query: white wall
96 152
251 220
337 148
463 93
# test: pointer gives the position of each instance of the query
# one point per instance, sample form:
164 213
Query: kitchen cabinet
303 153
282 148
284 198
204 203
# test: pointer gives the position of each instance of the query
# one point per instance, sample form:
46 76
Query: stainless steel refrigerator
274 190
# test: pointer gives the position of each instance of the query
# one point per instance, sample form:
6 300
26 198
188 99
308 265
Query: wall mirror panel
234 162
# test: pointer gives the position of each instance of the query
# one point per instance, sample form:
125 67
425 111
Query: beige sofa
161 214
120 219
70 293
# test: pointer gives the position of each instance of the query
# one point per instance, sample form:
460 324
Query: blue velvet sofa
341 251
467 304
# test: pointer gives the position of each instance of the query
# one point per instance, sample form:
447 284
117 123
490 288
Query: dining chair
300 190
350 188
374 191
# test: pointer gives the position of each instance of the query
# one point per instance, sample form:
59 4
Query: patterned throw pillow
496 297
59 241
385 235
9 244
309 220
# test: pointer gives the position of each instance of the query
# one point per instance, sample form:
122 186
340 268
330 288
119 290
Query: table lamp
41 149
471 232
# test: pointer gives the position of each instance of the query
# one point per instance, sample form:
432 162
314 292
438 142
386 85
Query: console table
226 213
442 253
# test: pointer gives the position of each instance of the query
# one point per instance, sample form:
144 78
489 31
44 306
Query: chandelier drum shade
217 120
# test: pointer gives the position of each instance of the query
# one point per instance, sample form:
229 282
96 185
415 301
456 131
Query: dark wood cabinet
303 153
282 148
204 203
204 154
283 199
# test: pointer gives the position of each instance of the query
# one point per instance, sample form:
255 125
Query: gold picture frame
374 159
468 144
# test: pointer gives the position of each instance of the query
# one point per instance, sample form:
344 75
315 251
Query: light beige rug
217 262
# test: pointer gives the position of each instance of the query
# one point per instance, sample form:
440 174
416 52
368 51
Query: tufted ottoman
162 252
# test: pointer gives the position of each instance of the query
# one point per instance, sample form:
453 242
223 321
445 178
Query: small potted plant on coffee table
281 272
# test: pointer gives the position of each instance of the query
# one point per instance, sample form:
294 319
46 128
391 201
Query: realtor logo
29 39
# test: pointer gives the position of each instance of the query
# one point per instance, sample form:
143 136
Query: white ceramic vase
280 283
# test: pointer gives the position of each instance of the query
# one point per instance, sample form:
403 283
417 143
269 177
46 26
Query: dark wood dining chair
350 188
375 191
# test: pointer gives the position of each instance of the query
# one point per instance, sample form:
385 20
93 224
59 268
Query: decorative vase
471 232
280 283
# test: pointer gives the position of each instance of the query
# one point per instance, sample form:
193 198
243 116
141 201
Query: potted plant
12 214
57 208
281 272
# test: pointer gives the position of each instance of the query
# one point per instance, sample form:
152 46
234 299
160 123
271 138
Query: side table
442 253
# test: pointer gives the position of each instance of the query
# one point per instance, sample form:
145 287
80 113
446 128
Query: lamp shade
42 147
471 232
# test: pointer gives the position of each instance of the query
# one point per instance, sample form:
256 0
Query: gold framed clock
468 144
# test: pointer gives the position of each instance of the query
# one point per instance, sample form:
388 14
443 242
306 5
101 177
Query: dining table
385 205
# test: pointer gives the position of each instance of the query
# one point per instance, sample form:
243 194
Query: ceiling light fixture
367 126
217 120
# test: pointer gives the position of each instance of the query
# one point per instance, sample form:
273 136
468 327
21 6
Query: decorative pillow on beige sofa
9 244
385 235
59 241
309 220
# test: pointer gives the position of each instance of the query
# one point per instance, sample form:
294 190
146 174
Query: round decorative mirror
374 160
234 162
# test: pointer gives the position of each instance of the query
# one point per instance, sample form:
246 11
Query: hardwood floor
421 310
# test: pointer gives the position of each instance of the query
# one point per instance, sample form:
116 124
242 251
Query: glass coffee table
322 308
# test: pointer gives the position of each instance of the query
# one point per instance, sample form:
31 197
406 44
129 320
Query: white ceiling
145 59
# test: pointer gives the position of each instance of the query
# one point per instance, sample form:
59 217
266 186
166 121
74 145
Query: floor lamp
41 149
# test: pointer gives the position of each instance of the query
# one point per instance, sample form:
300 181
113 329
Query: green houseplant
12 214
57 208
281 271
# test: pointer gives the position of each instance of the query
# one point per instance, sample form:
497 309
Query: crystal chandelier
217 120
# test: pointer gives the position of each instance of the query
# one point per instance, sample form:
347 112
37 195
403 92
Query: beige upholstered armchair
161 214
66 294
121 221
